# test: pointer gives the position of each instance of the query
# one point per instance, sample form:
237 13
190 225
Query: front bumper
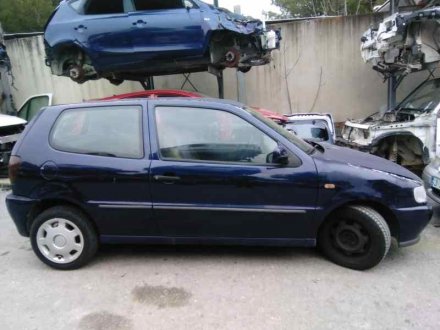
434 197
19 208
412 221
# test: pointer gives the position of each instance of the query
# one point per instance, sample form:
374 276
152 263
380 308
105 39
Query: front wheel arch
383 210
418 154
356 237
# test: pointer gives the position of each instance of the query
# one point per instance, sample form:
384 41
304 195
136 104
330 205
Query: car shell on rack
133 39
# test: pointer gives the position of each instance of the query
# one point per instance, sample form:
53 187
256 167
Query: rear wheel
355 237
63 238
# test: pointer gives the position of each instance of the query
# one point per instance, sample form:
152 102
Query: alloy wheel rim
60 241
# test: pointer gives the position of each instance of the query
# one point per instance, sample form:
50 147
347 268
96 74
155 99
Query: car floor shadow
194 252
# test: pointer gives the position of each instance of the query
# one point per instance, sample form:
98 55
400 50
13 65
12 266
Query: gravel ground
217 288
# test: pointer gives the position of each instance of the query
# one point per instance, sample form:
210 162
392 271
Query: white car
10 130
11 126
313 127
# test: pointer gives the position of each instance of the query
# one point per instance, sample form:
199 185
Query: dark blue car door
166 29
211 178
99 157
104 30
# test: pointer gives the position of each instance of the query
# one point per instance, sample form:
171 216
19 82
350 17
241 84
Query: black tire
89 237
355 237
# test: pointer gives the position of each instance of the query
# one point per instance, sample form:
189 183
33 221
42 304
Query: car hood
365 123
352 157
6 120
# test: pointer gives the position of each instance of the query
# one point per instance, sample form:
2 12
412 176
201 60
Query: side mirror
188 5
280 156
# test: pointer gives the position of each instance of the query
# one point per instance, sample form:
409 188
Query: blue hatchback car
190 171
132 39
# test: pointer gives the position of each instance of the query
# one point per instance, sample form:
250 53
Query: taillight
13 167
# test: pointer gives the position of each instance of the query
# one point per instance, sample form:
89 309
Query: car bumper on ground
19 208
412 221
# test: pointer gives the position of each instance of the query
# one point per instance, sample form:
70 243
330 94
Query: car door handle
139 23
167 179
80 27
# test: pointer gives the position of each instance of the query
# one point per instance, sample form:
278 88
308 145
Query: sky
252 8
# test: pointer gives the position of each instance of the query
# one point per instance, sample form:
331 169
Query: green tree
310 8
25 15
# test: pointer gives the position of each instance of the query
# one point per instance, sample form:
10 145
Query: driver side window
195 134
142 5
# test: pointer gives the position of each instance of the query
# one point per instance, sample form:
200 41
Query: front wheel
63 238
355 237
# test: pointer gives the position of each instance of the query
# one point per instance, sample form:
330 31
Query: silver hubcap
60 241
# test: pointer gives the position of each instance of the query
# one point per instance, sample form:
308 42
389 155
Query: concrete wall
319 66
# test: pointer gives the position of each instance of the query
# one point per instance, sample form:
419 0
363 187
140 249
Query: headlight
420 195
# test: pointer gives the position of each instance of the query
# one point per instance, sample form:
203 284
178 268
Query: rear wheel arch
46 204
67 54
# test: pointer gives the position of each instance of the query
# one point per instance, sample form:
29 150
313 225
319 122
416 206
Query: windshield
303 145
423 99
312 130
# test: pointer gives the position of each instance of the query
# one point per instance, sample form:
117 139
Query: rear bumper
412 221
19 209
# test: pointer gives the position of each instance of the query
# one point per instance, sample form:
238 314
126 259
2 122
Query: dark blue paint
236 204
176 40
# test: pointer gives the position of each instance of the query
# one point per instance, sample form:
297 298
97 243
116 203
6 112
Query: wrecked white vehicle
313 127
408 135
404 42
10 130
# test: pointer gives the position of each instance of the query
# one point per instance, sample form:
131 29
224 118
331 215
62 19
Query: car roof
155 92
183 101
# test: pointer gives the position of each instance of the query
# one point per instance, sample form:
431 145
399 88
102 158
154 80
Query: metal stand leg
148 84
221 85
187 80
392 88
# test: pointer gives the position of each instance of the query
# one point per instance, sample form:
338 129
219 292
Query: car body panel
404 42
47 96
268 200
419 128
6 120
325 119
10 130
214 202
430 172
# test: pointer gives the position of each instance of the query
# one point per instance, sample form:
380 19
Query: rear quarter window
114 131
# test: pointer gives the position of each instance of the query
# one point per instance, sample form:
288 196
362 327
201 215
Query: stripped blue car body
89 39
